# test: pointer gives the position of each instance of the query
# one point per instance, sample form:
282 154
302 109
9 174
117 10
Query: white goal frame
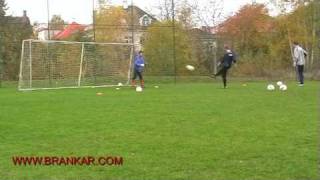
22 86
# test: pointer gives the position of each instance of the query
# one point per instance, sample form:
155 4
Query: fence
168 42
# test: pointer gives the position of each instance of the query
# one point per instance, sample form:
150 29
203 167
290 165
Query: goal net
65 64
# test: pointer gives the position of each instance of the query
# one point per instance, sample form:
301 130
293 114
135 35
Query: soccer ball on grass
270 87
283 87
139 89
279 83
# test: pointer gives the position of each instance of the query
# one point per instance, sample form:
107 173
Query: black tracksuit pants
300 73
223 72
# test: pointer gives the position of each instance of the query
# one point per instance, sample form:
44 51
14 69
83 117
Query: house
69 31
23 20
207 38
207 51
141 21
18 24
43 33
210 29
135 31
141 18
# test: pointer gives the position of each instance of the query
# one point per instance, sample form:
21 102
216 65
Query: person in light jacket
299 59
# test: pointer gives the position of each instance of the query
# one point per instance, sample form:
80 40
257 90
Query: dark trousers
223 72
137 73
300 73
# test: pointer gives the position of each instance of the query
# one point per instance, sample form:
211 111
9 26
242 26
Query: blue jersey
139 63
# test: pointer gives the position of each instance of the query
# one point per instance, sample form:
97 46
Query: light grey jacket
298 55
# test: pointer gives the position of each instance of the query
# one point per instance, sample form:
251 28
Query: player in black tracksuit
225 64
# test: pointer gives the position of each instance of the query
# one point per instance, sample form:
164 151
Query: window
145 21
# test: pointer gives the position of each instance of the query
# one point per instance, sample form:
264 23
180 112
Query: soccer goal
66 64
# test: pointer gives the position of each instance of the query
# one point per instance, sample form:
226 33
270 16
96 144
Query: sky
80 11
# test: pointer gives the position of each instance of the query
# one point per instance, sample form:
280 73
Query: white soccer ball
156 87
99 93
271 87
283 87
190 68
279 83
120 84
139 89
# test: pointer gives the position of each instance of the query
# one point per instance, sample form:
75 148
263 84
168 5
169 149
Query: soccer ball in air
120 84
139 89
270 87
190 68
283 87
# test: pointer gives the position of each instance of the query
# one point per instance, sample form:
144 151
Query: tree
247 29
13 30
184 14
250 31
2 49
165 10
56 22
301 24
111 24
208 14
3 8
15 34
264 43
159 49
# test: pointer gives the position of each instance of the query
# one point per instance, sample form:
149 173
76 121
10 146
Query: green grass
184 131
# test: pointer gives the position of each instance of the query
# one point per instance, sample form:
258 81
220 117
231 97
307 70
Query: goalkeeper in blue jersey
138 69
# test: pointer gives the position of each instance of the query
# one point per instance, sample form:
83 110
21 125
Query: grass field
184 131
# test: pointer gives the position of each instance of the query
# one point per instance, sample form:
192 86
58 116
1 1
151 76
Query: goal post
69 64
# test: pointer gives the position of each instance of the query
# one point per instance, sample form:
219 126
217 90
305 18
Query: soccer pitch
184 131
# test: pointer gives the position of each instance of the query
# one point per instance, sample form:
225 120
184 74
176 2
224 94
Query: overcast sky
81 10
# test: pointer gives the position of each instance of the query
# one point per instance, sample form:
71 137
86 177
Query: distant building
208 46
42 32
69 30
210 29
141 21
22 20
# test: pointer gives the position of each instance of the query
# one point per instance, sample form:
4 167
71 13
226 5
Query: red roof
69 30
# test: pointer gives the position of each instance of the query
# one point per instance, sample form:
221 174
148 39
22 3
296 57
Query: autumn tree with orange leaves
264 43
248 29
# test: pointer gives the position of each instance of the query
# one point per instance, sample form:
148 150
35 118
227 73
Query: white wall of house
43 34
137 39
